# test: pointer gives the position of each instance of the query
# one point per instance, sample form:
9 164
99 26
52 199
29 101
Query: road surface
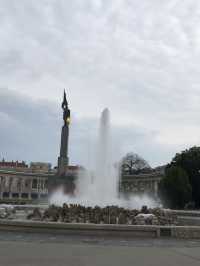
27 249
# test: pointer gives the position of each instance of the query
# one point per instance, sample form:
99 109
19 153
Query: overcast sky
141 59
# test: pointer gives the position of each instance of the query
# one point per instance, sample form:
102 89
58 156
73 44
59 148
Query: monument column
63 159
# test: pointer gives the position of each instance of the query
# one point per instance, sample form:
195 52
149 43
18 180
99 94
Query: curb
125 231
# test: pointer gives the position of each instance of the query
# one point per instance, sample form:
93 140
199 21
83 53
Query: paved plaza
25 249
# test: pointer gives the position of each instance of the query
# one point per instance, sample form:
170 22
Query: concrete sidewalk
60 254
46 250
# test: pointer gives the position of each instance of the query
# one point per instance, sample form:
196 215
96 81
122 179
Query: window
34 196
45 184
24 195
34 183
6 195
27 182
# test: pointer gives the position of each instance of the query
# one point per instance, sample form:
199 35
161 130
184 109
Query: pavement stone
27 249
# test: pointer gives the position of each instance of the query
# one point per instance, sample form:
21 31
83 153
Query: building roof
12 164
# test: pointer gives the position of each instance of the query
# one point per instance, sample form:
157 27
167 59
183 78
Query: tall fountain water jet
102 188
105 180
103 149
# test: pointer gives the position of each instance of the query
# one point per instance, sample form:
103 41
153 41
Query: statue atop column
63 159
66 111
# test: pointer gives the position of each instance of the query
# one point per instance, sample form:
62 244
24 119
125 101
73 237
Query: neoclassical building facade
20 183
137 177
140 184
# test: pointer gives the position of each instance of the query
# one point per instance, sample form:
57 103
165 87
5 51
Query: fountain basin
105 230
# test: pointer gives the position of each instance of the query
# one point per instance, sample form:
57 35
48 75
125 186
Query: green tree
175 189
189 160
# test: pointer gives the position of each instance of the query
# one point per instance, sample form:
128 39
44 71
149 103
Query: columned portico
17 185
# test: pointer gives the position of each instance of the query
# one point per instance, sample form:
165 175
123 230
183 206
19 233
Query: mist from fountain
101 188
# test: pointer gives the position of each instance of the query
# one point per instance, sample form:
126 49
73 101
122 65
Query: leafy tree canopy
175 189
189 160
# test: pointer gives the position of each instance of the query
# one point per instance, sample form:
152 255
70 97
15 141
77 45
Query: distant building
137 177
20 183
13 165
40 167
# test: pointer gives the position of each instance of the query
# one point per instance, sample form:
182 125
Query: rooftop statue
66 111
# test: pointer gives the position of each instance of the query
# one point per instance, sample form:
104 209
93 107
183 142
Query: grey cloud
25 128
141 59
